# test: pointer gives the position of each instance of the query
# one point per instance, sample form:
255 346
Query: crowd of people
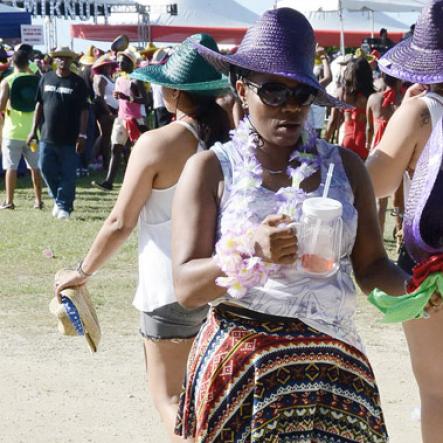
241 148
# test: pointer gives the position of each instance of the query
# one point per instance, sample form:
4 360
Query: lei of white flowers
235 249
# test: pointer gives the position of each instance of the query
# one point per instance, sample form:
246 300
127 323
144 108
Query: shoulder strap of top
189 127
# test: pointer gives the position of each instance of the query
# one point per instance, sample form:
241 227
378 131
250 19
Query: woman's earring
244 105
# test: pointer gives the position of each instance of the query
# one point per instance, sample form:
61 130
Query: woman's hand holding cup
275 241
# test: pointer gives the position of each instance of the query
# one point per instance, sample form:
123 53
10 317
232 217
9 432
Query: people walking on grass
106 105
190 87
418 59
17 103
131 121
62 114
279 358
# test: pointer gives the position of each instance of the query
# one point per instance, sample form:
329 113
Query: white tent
357 21
219 13
337 8
355 5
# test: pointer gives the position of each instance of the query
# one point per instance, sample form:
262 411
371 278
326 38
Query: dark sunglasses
277 94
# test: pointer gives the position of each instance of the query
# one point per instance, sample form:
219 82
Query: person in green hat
190 87
17 101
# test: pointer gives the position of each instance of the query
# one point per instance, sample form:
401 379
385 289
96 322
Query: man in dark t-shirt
62 112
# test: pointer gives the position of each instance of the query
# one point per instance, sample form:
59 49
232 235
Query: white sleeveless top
434 102
110 100
328 304
155 285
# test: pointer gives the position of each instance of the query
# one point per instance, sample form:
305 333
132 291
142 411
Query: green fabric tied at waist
409 306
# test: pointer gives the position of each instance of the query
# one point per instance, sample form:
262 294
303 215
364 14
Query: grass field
25 233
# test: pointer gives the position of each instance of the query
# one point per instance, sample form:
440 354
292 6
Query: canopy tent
337 8
225 20
213 13
10 21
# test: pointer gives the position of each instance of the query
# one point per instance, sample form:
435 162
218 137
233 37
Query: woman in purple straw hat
407 150
279 358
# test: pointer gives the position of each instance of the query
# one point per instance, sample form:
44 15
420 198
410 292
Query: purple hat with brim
419 59
281 42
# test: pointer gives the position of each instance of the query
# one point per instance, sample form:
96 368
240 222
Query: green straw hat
186 69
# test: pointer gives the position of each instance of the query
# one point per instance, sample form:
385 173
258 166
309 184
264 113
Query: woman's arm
403 140
136 189
372 267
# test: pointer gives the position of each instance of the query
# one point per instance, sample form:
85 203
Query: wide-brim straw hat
186 70
76 314
419 59
103 61
88 58
150 49
360 53
281 42
131 55
64 51
120 43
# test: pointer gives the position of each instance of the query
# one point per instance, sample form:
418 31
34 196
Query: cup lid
322 207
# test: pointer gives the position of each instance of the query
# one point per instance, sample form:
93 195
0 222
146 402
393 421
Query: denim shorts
172 322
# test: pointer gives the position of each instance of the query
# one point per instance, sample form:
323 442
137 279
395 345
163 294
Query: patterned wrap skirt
258 378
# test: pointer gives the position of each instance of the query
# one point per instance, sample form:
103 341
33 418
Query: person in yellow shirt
17 101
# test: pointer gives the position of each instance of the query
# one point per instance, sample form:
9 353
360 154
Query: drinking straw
325 195
328 180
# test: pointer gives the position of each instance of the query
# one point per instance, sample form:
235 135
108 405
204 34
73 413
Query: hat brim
80 297
88 61
96 66
67 54
412 64
155 74
223 62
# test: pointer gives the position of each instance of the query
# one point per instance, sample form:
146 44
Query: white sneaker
55 210
62 214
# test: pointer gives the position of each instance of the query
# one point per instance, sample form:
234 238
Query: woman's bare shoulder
166 142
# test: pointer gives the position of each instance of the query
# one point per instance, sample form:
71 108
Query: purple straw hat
281 42
419 59
423 220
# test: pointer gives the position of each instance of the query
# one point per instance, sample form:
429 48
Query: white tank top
155 286
109 89
434 102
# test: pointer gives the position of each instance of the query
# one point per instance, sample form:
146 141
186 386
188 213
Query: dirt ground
53 391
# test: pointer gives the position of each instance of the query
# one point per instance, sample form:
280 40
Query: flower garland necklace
235 249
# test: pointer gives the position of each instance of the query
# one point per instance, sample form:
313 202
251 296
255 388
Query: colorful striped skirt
258 378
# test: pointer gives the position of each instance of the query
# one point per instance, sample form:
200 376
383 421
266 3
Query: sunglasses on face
277 94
